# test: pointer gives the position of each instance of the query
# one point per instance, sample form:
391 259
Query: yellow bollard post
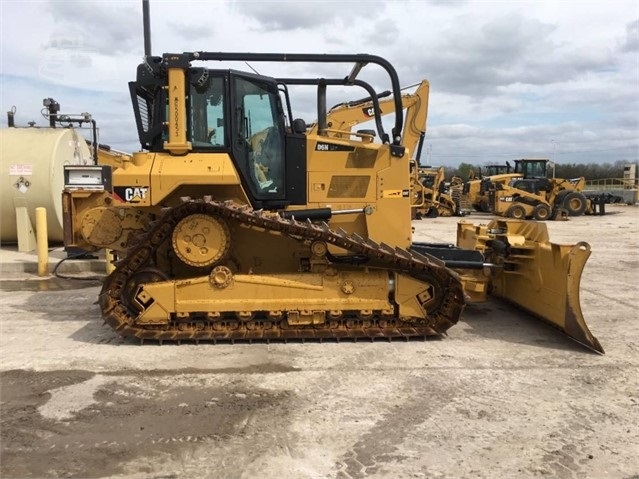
110 258
42 241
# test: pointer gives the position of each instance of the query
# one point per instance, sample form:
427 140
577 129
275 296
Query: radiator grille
348 186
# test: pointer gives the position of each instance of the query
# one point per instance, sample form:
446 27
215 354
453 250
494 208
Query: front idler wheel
133 284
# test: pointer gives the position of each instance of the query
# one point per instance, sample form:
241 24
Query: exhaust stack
146 19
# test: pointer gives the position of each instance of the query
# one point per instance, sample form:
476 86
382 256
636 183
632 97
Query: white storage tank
32 174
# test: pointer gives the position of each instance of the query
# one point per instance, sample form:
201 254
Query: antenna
146 20
248 65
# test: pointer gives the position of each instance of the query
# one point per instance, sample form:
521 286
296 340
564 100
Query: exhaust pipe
146 19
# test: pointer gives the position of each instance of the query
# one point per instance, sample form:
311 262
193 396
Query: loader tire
575 203
517 212
432 212
542 212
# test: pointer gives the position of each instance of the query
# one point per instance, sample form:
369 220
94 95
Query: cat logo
135 195
395 194
369 111
131 194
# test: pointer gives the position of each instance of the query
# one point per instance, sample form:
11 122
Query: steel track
424 267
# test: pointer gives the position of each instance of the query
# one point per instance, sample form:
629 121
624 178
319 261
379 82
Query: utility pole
554 156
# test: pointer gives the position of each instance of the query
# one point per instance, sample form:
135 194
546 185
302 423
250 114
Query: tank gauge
87 177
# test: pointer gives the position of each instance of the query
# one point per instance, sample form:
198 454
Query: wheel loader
535 195
238 222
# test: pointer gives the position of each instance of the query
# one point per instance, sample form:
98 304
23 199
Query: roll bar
321 99
359 59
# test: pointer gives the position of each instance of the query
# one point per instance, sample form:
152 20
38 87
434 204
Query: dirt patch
130 416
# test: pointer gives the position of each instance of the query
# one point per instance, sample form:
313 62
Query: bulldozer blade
535 274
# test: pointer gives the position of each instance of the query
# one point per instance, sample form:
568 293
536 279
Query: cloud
381 33
479 59
284 16
95 26
190 32
506 77
631 41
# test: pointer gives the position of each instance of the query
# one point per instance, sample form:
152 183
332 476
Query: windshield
532 168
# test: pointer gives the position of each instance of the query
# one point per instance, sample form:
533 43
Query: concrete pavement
14 262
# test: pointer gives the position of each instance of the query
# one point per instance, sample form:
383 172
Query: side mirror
299 126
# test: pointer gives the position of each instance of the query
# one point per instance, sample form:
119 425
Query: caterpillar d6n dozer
235 222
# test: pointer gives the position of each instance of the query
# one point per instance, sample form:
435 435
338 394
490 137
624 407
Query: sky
508 79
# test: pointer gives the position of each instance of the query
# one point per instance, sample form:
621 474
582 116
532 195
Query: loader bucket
531 272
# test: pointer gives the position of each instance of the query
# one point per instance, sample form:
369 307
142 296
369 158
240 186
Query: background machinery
477 189
536 195
431 196
237 222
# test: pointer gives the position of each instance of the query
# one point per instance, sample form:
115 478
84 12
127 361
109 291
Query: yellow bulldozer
238 222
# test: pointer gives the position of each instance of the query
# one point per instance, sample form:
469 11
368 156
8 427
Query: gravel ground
501 396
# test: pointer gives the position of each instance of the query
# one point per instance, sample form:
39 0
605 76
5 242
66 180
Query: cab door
257 138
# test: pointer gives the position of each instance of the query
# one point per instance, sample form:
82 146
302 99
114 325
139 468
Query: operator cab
532 168
494 170
181 109
230 112
535 178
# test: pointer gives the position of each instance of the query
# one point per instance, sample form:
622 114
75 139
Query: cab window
260 133
207 115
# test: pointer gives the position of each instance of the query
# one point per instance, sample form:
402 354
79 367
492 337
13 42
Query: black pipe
321 107
95 141
352 103
146 19
53 107
313 214
454 264
420 144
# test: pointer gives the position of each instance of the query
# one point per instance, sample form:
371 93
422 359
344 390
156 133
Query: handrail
613 183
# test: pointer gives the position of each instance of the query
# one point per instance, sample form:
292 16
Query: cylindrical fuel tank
32 174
